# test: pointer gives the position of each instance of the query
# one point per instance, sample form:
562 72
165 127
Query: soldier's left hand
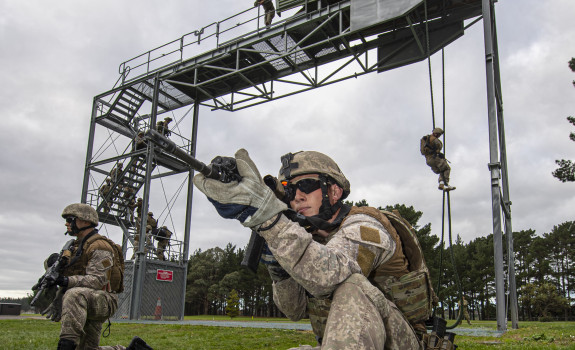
249 200
58 281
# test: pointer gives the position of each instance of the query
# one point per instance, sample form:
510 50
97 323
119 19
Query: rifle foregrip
253 252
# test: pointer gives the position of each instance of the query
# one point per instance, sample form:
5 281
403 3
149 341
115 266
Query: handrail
215 31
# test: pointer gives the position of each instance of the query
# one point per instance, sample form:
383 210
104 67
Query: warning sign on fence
164 275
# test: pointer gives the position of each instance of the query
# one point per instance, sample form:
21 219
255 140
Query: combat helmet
312 162
81 211
437 131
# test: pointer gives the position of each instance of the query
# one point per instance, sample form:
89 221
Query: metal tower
242 63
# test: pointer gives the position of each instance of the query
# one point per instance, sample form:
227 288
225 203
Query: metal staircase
122 192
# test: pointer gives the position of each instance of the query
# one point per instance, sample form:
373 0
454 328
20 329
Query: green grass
43 334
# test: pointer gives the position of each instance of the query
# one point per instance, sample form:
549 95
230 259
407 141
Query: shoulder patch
369 234
365 258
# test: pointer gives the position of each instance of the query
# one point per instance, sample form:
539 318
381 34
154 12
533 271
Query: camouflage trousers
360 317
439 166
161 249
83 312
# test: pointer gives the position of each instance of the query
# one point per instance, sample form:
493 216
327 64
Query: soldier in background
138 208
163 237
130 209
152 222
103 191
116 172
463 308
140 141
148 239
269 9
430 147
166 132
90 283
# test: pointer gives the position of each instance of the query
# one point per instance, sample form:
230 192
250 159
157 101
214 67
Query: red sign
164 275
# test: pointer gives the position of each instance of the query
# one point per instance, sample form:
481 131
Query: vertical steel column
494 166
89 151
505 182
192 151
140 262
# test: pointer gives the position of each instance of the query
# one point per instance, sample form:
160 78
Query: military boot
445 187
138 343
65 344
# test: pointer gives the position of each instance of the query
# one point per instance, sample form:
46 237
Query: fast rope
446 196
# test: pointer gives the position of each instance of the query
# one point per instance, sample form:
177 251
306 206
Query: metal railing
214 36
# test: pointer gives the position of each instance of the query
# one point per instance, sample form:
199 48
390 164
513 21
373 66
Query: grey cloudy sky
57 56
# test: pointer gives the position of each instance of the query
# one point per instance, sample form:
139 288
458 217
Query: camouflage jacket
435 145
92 268
319 268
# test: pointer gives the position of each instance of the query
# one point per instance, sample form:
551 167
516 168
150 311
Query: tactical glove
277 273
250 200
54 310
59 281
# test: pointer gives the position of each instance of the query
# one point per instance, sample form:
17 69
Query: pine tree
566 170
233 304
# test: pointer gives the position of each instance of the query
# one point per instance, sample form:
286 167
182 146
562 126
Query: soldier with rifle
89 276
325 258
345 267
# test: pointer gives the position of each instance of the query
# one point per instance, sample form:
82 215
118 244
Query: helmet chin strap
76 230
326 212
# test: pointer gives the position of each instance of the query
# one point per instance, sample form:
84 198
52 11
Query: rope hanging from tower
446 194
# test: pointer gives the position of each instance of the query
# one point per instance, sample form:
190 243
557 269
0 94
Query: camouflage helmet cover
82 212
437 131
150 213
312 162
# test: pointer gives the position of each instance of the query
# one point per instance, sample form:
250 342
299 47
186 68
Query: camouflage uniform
464 310
269 9
166 127
104 190
116 172
89 301
139 141
435 159
163 242
131 206
148 241
331 274
138 207
151 221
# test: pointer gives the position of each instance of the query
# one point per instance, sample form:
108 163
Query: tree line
543 264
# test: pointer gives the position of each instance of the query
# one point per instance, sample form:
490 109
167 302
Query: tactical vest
404 279
97 242
427 146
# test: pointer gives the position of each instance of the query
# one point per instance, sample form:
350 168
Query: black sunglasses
307 186
70 219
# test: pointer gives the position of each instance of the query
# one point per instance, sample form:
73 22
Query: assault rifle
53 272
223 169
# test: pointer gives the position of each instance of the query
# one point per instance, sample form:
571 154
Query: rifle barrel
170 147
